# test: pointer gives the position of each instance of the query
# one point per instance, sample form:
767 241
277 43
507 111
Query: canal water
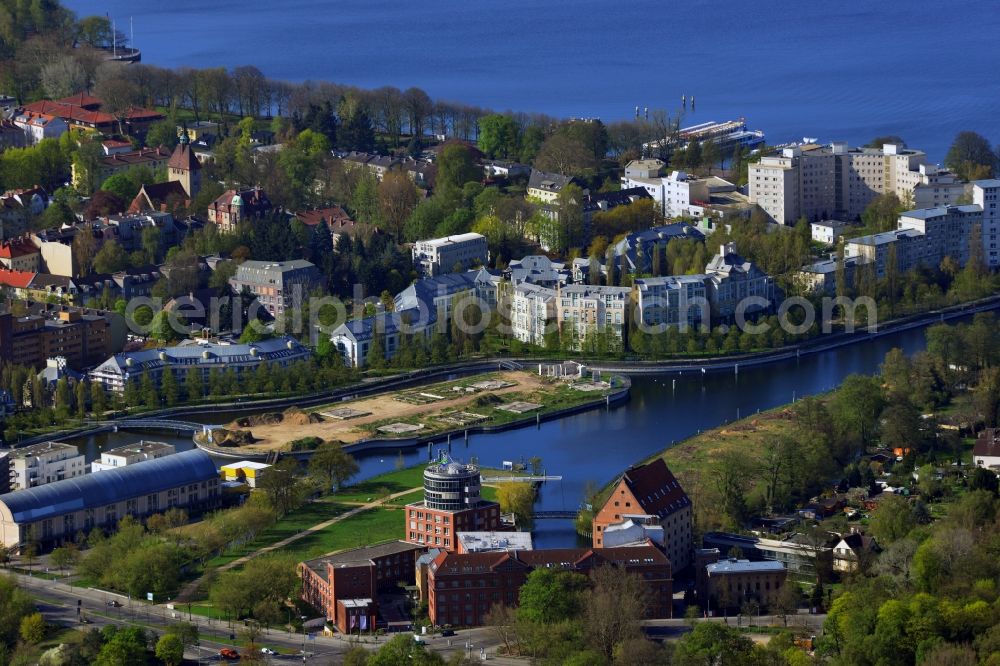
597 445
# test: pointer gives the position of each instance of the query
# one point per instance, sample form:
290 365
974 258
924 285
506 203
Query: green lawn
383 484
408 498
368 527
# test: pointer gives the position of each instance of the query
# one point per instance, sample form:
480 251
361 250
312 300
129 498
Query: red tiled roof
16 279
334 216
655 487
183 158
16 248
135 157
83 100
115 143
454 563
87 113
448 563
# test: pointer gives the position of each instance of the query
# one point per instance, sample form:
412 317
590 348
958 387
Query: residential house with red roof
20 254
649 494
86 112
38 126
235 206
15 283
337 220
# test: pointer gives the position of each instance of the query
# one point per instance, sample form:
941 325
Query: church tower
183 166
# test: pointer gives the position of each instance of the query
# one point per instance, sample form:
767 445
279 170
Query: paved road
58 602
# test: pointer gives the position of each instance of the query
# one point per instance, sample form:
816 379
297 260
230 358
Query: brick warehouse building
345 586
463 587
452 504
650 494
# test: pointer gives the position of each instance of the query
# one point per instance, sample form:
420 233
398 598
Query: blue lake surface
596 446
850 70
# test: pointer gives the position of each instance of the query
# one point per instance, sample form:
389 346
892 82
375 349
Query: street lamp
303 639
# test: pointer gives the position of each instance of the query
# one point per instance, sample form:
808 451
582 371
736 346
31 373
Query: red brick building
463 587
345 586
651 493
452 504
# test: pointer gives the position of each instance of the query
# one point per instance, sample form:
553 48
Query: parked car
448 632
268 651
229 654
114 603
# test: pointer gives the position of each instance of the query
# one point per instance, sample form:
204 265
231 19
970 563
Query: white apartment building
817 182
44 463
674 300
731 280
986 195
131 454
442 255
907 244
532 310
584 309
946 230
679 194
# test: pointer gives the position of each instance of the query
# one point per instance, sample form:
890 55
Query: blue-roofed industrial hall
53 513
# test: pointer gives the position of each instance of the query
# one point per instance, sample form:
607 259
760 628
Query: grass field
382 485
368 527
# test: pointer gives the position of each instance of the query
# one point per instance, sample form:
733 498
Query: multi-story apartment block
116 371
986 195
732 280
276 284
675 194
82 337
44 463
817 182
675 300
131 454
946 230
906 244
444 255
532 312
452 503
582 310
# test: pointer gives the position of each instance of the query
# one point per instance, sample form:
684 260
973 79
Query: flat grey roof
744 566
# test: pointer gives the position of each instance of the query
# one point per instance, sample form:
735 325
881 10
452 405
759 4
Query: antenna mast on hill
131 33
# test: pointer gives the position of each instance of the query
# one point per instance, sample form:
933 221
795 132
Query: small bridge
554 515
510 365
161 424
520 479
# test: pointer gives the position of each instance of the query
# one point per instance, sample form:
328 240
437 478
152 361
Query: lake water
922 69
598 445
